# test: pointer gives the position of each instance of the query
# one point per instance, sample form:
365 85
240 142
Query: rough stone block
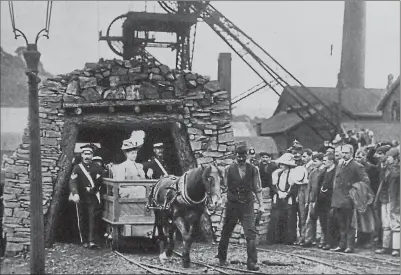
194 131
212 86
226 137
87 82
196 145
14 247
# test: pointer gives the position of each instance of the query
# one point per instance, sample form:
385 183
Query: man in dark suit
241 181
266 168
348 172
85 182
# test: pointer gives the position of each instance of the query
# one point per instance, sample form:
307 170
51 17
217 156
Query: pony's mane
194 174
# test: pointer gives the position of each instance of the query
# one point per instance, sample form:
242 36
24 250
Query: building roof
279 123
260 144
359 102
390 91
383 131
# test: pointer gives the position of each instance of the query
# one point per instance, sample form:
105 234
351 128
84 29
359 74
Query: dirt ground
66 258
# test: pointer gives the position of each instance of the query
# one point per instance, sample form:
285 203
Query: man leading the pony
241 180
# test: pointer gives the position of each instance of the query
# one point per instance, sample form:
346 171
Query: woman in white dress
129 169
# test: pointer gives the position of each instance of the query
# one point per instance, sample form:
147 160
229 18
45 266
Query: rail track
157 269
304 257
375 258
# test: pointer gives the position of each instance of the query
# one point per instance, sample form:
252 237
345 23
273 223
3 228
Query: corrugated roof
260 144
392 89
356 101
279 123
383 131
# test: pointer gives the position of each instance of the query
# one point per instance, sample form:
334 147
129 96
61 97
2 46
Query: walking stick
79 227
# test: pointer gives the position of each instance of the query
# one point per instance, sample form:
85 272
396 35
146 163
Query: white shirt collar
346 162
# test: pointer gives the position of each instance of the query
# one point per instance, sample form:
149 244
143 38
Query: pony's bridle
209 195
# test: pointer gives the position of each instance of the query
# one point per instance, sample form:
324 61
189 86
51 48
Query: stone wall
204 111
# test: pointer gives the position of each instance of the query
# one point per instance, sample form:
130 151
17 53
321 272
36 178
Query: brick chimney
354 43
224 73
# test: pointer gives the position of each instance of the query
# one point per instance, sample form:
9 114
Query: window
395 112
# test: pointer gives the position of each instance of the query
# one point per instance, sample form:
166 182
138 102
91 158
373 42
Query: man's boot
252 255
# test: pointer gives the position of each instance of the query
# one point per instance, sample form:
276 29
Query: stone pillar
354 44
224 73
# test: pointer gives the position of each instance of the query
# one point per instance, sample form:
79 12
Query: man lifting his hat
129 169
241 180
85 182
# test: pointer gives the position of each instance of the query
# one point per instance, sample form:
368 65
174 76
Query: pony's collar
184 195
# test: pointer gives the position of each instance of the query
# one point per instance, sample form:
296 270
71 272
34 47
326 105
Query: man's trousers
88 216
347 232
244 212
302 211
391 227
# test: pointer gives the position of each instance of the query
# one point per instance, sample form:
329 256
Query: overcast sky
298 34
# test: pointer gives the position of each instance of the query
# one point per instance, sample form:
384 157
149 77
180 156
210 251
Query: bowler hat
383 149
241 149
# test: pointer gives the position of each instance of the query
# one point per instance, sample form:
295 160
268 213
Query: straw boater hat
129 144
286 159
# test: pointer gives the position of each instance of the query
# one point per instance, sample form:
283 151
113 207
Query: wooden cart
125 209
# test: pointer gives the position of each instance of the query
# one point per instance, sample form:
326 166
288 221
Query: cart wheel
115 238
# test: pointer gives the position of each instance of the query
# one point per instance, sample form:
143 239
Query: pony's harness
179 187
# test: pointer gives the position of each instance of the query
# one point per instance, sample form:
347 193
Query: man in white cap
85 182
129 169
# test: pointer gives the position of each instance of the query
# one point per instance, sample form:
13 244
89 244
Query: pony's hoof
163 258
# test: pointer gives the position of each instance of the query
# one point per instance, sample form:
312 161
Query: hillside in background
13 81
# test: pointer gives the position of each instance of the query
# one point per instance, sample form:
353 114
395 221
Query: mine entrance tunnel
110 139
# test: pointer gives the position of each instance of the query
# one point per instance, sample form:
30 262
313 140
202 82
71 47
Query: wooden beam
183 147
125 120
70 134
116 103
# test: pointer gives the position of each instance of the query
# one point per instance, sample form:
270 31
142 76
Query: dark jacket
314 177
266 171
373 172
344 178
157 171
79 181
326 187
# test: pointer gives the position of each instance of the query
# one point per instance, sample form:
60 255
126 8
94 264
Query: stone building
104 103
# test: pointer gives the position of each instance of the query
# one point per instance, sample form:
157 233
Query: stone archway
139 90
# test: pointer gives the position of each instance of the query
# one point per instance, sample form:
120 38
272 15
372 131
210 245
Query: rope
193 47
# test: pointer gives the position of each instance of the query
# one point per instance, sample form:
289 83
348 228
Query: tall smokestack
224 73
353 48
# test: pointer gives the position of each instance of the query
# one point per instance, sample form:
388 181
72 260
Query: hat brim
130 148
285 163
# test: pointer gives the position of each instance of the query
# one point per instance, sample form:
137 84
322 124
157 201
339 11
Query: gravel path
276 259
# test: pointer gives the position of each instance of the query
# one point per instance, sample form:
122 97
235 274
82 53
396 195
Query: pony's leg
187 240
162 237
171 241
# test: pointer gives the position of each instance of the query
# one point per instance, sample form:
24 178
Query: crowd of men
350 185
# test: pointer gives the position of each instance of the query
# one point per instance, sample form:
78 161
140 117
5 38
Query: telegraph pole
32 58
37 249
